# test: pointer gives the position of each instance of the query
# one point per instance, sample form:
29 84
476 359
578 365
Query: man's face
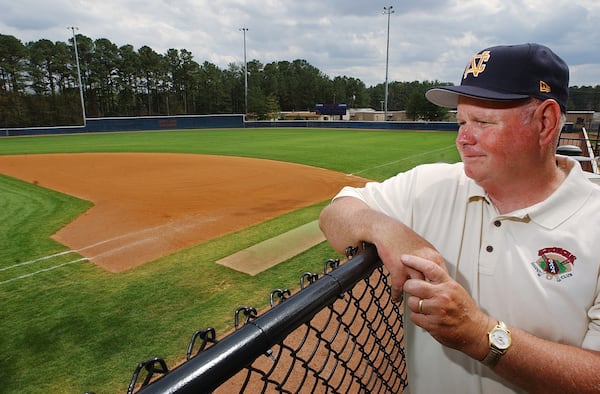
495 139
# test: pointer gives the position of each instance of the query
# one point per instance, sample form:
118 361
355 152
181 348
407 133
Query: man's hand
399 240
443 308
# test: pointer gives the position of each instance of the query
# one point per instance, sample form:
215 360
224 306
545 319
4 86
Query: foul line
36 260
42 270
404 159
117 238
130 234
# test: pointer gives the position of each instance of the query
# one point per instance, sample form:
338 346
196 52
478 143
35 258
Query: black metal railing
340 333
584 146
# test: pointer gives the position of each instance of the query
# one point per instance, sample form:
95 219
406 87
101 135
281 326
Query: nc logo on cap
477 64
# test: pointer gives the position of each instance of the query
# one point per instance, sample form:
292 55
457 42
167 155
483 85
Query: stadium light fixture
387 11
245 29
73 28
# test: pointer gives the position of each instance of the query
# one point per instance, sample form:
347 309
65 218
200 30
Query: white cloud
429 39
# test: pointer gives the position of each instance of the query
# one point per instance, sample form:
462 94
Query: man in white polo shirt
496 255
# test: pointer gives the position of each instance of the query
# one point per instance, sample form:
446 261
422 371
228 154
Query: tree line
39 85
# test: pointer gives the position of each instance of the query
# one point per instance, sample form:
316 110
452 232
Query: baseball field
110 241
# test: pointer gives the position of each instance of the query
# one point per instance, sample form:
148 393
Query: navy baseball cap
509 72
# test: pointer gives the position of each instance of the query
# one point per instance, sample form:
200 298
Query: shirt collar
573 192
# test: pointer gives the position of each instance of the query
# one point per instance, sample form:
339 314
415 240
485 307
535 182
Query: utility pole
388 11
73 28
245 29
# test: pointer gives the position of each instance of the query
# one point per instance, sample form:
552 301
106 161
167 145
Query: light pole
388 11
245 29
73 28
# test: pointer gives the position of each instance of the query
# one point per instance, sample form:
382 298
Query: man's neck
529 190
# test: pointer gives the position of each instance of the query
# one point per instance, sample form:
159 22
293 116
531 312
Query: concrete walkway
273 251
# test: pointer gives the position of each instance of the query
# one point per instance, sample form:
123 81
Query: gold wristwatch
499 340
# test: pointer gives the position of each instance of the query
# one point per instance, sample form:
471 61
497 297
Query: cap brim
447 96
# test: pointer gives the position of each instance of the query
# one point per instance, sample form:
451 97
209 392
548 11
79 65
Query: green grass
355 151
79 328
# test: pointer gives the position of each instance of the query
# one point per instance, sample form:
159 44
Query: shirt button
497 223
489 248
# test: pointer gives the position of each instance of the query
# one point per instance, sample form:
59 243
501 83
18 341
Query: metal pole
73 28
388 11
245 29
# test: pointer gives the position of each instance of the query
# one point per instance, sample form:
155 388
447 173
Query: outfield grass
79 328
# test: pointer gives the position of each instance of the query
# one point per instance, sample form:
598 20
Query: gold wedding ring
421 305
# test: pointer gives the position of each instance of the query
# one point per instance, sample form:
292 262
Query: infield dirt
149 205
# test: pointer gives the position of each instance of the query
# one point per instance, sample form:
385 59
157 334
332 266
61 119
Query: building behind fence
340 333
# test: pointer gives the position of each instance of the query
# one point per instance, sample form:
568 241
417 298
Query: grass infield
78 328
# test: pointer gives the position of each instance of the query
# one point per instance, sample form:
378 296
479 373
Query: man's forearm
343 223
541 366
348 221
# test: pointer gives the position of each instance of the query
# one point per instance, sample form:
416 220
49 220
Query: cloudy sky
429 39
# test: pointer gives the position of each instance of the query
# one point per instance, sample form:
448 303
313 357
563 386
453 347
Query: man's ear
549 115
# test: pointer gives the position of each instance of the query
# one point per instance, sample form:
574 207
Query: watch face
500 338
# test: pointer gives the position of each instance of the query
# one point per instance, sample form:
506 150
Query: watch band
492 357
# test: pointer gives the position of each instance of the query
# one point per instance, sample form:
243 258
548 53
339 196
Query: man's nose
465 135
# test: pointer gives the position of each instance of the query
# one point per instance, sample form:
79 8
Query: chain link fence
340 333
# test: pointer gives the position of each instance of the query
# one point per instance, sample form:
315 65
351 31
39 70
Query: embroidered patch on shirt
555 263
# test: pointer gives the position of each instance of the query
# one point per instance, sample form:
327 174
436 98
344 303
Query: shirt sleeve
592 337
399 195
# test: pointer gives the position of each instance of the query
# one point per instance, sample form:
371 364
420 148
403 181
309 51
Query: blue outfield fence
340 333
96 125
152 123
